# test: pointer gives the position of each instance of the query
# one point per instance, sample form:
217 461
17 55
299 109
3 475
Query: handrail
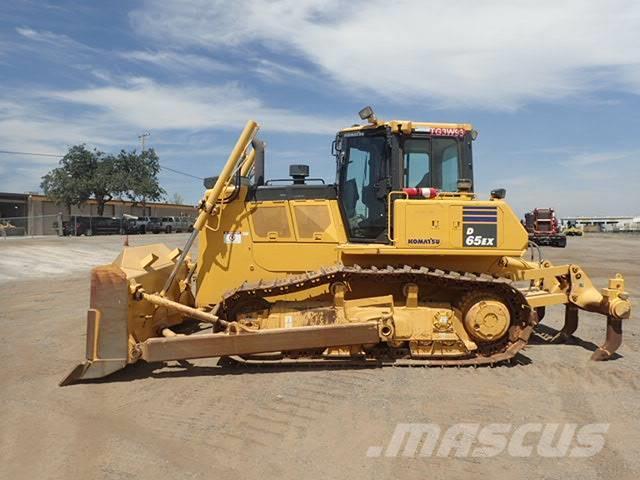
269 182
389 210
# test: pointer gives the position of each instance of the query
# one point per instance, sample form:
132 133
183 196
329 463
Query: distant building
35 214
632 225
596 222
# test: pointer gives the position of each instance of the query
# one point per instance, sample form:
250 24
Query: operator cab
375 159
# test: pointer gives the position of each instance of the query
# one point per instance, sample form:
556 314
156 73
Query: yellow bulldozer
398 262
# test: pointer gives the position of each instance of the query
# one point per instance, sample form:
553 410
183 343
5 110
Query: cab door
365 181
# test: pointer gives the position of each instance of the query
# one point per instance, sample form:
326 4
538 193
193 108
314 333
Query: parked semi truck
543 228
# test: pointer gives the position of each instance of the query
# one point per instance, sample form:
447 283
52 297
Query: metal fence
59 224
30 226
89 225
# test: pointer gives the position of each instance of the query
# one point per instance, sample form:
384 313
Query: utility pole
142 136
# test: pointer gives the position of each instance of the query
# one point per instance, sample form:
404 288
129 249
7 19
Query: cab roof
407 126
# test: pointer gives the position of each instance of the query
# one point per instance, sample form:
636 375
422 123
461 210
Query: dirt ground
204 421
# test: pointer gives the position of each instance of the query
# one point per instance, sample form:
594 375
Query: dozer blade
118 319
107 347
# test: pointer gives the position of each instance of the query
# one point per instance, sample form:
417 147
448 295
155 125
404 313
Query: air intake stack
298 173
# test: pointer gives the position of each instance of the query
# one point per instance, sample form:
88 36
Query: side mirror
498 193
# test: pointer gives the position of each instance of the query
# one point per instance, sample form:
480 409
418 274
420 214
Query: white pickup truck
139 225
176 224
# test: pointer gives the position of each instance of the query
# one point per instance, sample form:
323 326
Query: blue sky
552 86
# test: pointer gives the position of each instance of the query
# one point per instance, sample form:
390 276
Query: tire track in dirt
577 376
301 402
577 409
156 439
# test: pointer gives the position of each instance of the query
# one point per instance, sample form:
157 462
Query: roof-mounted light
368 114
498 194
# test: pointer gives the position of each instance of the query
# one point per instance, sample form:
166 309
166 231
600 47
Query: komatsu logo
423 241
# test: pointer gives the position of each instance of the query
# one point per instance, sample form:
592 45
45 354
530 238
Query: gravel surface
204 421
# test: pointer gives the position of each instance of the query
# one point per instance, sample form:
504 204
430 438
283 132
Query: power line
11 152
181 173
32 153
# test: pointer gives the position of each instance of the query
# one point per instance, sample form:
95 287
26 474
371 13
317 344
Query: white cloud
587 159
31 123
278 72
54 41
42 36
492 54
110 114
172 60
62 52
110 117
146 104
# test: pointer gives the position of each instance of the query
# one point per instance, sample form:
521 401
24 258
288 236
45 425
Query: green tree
137 176
104 184
82 174
59 186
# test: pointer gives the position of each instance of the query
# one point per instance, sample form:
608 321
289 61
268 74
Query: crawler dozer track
459 285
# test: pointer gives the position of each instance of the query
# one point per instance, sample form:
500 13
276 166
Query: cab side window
417 163
450 171
432 162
